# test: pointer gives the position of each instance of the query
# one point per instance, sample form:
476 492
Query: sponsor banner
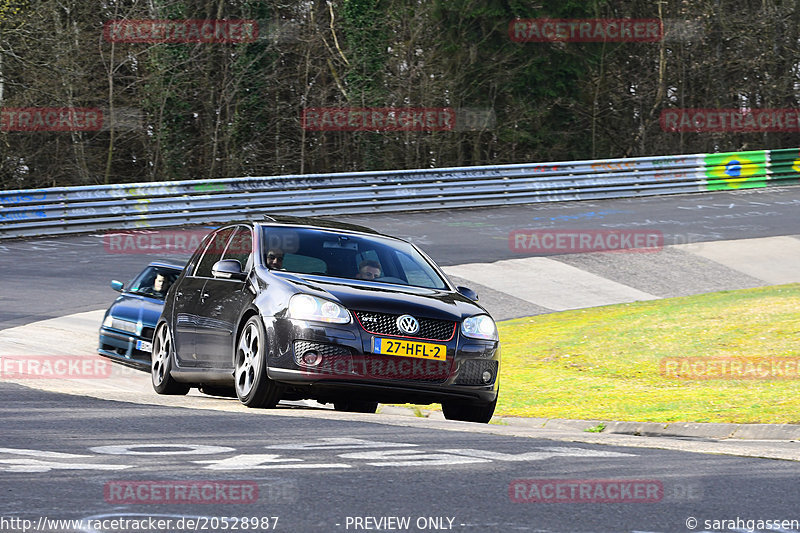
784 164
766 368
730 120
51 119
54 367
586 491
738 170
378 119
190 492
546 30
180 31
555 241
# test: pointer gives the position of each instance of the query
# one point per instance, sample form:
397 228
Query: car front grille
470 372
386 324
325 350
340 362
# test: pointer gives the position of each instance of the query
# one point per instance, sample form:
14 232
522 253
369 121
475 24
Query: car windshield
154 281
345 255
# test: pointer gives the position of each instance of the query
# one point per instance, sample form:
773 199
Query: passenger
275 259
369 270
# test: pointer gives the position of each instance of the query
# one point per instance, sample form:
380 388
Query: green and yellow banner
785 165
736 170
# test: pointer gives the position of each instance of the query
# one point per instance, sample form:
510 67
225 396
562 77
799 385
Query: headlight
122 325
307 307
479 327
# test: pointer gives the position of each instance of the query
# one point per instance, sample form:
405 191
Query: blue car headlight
307 307
480 327
122 325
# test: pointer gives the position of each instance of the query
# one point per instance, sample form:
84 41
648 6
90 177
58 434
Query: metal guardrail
67 210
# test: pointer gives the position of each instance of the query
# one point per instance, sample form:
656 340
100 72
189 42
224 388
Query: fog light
311 358
486 376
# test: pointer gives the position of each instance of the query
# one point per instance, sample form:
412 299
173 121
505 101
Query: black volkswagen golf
293 308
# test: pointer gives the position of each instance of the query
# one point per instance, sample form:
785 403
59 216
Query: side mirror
228 269
469 293
117 285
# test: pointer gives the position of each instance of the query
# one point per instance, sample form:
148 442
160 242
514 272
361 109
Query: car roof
312 222
167 264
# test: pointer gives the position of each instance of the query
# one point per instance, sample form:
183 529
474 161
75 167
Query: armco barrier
65 210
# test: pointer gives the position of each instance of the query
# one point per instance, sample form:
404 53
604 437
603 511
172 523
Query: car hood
396 299
135 308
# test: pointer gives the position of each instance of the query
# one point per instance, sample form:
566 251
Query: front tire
469 412
161 364
253 387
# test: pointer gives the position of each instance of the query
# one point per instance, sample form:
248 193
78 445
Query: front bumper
125 348
348 368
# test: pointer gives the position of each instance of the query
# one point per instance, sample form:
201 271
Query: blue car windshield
154 281
344 255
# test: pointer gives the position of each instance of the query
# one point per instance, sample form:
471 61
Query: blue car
126 335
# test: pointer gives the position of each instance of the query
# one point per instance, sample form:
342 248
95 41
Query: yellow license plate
421 350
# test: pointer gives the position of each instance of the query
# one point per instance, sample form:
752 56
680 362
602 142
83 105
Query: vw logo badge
407 324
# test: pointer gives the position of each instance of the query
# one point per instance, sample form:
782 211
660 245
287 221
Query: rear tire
355 406
161 364
469 412
253 387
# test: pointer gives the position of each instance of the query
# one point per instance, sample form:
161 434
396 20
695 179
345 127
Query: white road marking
263 462
410 458
548 283
40 453
546 453
337 443
773 260
25 464
373 453
187 449
37 465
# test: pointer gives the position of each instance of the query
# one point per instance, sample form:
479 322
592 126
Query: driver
160 285
369 270
275 259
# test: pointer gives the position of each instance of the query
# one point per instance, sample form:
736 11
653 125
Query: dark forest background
196 111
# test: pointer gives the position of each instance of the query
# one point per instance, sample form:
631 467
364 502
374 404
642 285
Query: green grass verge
605 362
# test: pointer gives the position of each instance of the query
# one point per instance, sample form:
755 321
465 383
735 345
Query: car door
189 300
184 308
221 304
